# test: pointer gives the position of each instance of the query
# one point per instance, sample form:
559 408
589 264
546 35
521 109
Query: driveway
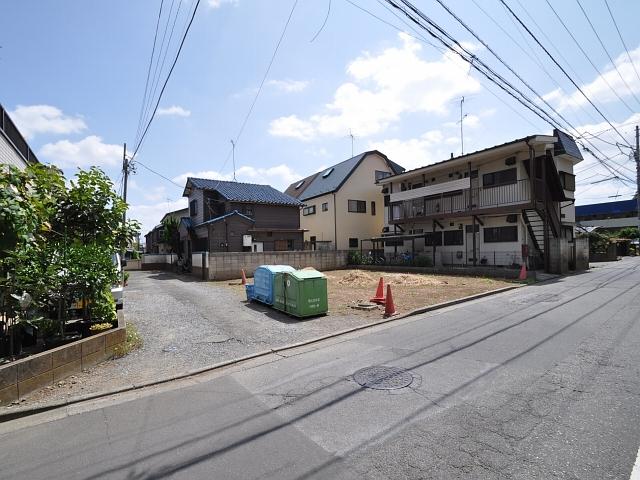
535 383
185 325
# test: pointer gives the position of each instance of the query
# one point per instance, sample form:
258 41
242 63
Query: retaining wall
43 369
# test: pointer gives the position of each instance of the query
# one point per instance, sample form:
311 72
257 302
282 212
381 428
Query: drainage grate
381 377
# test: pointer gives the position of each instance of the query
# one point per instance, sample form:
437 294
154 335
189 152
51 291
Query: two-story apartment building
490 207
14 149
239 217
342 203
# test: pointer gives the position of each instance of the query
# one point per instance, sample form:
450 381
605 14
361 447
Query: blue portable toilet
263 280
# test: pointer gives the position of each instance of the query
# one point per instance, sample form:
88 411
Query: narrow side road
540 382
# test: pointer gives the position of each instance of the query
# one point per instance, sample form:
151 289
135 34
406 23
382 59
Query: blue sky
73 73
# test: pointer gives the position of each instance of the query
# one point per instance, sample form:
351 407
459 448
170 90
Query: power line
587 56
146 85
606 2
606 51
562 69
264 78
138 162
487 71
184 37
164 58
323 23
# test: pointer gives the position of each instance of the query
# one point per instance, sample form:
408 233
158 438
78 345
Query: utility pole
233 155
636 154
125 179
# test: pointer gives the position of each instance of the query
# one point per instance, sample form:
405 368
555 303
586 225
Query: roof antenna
462 117
352 139
233 153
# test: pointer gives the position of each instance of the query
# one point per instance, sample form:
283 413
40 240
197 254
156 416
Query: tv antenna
352 140
462 117
233 154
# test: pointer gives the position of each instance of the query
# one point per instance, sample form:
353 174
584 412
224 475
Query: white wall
8 155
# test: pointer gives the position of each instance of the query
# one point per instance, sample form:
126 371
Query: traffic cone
379 296
389 306
523 272
244 278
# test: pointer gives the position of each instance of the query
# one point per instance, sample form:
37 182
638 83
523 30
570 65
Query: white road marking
635 474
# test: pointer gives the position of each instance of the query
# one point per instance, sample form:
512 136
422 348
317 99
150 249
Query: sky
73 77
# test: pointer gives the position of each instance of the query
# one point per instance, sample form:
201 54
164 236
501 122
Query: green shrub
103 308
354 257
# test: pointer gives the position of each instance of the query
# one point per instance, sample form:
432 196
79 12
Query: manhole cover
381 377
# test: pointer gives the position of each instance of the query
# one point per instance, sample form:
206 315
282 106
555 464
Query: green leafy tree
170 233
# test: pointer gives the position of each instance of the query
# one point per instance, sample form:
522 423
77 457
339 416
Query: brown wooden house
239 217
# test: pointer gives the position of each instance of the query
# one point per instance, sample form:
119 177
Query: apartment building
499 206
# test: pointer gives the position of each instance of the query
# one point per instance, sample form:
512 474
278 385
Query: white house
496 206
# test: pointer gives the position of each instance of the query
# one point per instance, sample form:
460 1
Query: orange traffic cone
389 306
379 296
244 278
523 272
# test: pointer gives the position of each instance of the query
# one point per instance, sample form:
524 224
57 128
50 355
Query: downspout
335 223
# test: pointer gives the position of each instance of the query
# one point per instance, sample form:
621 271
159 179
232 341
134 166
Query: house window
193 208
353 243
247 210
380 175
373 208
357 206
310 210
325 206
433 239
290 245
394 243
501 234
502 177
453 237
568 181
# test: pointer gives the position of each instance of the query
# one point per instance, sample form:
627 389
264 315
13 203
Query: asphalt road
540 382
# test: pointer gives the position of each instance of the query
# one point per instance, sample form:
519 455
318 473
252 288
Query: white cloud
89 151
415 152
601 89
174 110
279 176
220 3
381 89
34 119
292 127
149 215
289 86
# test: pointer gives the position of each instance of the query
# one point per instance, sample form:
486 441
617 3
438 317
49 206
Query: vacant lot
348 288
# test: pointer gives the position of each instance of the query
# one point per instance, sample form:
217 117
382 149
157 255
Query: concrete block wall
582 253
226 266
21 377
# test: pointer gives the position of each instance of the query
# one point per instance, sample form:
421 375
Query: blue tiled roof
226 215
244 192
609 208
566 144
321 185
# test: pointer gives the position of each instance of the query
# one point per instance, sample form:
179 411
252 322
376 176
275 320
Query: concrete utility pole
636 154
233 155
125 179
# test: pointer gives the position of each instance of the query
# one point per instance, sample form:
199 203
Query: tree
170 233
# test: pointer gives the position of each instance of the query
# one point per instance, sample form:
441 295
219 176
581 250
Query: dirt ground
348 288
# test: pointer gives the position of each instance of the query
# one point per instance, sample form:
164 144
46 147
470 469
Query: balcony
462 202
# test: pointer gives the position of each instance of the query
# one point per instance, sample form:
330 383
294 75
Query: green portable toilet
301 293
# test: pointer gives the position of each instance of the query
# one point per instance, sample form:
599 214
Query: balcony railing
463 201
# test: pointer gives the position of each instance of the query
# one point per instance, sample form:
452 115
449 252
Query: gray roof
320 185
243 192
566 144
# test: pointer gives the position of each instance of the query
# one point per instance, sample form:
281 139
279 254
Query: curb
6 417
